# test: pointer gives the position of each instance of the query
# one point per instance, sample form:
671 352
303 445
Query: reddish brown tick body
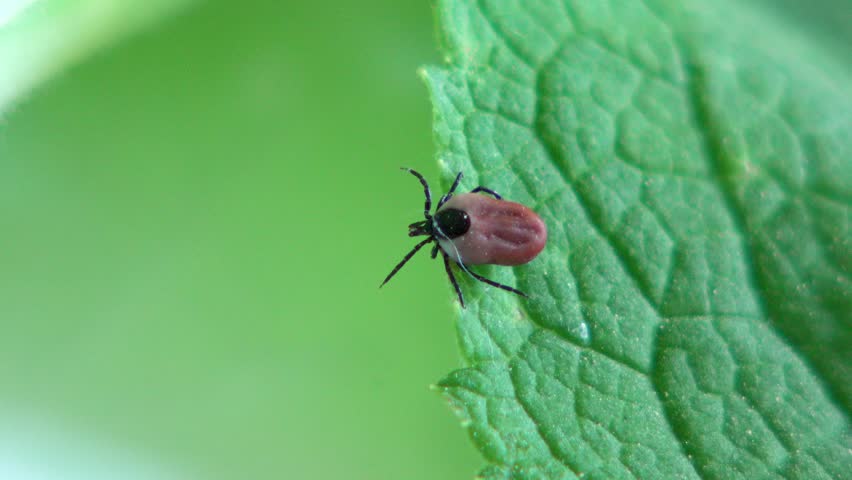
474 229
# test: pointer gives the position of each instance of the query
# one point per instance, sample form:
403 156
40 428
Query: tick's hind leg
487 190
494 284
449 269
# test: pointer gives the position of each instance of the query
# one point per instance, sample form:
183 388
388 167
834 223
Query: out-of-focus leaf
40 38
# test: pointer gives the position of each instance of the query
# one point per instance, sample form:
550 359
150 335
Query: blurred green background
193 226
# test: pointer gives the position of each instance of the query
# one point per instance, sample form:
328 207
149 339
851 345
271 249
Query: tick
476 229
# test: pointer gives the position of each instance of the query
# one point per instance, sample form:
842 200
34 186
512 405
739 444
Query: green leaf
691 316
40 38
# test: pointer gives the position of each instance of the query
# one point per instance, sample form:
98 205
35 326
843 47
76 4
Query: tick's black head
420 228
452 222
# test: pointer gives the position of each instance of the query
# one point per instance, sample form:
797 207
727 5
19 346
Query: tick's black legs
407 258
449 194
455 184
428 205
487 190
494 284
426 192
449 269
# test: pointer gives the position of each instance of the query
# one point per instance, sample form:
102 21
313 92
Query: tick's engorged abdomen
500 233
